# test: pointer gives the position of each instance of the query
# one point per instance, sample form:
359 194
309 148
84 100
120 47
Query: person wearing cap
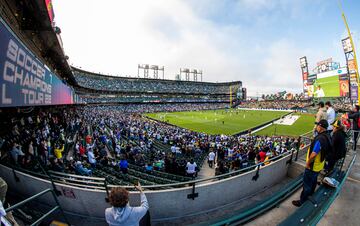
315 161
321 114
338 144
330 115
354 115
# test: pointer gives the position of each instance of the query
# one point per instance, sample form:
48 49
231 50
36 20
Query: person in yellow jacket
58 151
315 161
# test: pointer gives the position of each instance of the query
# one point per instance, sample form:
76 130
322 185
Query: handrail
75 180
94 185
215 177
57 207
80 185
77 176
158 186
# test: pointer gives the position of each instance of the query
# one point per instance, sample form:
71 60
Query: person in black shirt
339 145
354 115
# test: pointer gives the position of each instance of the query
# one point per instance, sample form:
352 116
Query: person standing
338 144
354 115
121 213
315 161
321 114
330 116
211 158
191 168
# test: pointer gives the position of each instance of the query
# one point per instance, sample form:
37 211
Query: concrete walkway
346 208
206 171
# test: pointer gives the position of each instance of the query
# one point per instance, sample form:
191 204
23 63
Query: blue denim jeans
309 184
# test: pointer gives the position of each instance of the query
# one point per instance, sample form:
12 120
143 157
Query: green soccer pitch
211 121
304 124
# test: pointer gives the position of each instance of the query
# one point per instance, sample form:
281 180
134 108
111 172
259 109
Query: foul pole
353 47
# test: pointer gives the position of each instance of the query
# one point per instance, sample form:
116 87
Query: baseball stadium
181 146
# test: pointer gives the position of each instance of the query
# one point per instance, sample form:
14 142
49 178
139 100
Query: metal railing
101 183
57 207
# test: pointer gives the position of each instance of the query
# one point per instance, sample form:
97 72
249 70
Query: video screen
329 84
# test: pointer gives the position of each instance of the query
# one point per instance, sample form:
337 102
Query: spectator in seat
91 158
56 164
262 155
80 169
121 213
59 148
124 165
149 167
221 168
16 153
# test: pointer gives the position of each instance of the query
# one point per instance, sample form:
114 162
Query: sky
258 42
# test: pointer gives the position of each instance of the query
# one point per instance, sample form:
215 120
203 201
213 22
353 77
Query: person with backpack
354 115
315 161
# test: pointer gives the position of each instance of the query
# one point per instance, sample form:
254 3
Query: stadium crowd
150 99
79 140
276 104
173 107
149 85
283 96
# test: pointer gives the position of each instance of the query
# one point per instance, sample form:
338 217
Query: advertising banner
344 87
24 79
50 9
354 92
305 73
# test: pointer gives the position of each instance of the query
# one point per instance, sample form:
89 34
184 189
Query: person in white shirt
319 92
91 158
211 158
191 168
230 152
121 213
330 116
173 148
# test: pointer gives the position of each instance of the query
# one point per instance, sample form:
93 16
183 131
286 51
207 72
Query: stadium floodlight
187 73
154 68
196 73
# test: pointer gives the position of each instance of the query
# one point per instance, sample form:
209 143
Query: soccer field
227 122
303 125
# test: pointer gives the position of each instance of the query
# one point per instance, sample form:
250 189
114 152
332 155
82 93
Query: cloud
214 36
